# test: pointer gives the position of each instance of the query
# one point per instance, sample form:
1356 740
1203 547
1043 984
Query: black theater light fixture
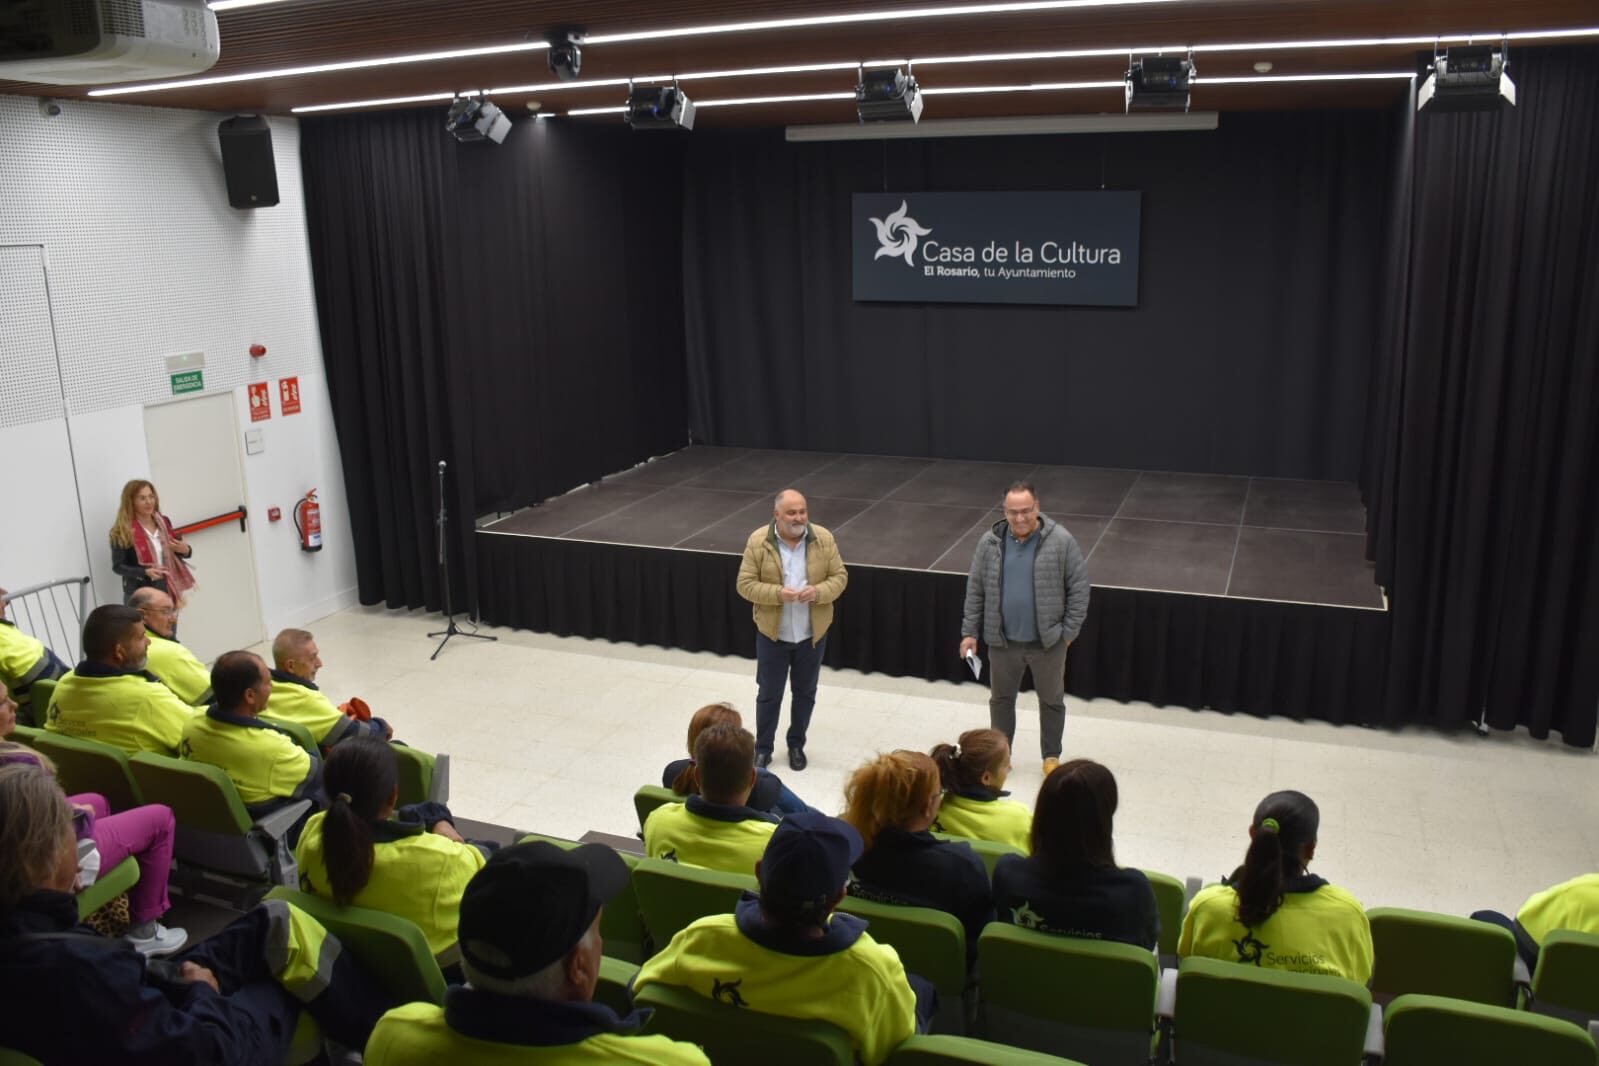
566 51
474 118
887 94
659 107
1159 83
1467 78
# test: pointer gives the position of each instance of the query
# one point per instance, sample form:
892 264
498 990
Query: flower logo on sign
897 234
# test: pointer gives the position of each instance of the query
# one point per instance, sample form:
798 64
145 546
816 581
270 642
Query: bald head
158 609
792 515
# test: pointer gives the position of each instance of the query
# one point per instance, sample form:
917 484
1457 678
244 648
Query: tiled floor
1259 538
554 734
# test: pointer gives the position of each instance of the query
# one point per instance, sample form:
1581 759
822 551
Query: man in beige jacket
792 573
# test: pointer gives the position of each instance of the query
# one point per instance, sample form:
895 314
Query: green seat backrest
614 987
16 1058
31 708
299 733
1024 971
1441 955
108 886
990 851
1170 905
930 943
390 948
1292 1019
416 774
1426 1030
621 924
958 1050
202 796
1567 976
731 1034
671 896
649 797
90 766
25 734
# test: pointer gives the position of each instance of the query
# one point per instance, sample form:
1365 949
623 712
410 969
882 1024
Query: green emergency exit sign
188 381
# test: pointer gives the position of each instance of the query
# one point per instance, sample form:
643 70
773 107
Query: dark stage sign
997 247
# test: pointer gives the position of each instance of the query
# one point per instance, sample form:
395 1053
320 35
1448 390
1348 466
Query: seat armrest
1374 1045
1166 1001
1593 1029
1191 887
280 821
1520 974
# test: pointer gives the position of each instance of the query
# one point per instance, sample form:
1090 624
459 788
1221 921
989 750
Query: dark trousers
1005 667
776 662
346 1010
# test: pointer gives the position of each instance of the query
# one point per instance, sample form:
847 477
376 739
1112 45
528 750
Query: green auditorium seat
960 1050
739 1034
614 988
392 949
1441 955
1088 999
422 777
1234 1014
1566 982
108 886
990 851
25 735
649 797
31 707
1429 1030
931 944
217 838
1171 904
671 896
90 766
621 925
299 733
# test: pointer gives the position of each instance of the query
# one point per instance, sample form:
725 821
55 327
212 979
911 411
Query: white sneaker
163 941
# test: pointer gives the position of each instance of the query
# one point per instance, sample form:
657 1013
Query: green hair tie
1270 825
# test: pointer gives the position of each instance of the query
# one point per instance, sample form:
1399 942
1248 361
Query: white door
196 467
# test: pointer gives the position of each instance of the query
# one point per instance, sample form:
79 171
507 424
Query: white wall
144 259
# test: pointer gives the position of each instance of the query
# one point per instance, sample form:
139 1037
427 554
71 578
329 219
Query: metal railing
52 613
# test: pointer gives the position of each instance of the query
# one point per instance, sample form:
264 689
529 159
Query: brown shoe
1050 764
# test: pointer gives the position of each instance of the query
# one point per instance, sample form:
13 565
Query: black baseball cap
531 903
808 859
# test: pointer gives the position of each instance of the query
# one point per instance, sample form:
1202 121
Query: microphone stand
450 628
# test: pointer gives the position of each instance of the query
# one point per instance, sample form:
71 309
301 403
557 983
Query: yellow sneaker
1050 765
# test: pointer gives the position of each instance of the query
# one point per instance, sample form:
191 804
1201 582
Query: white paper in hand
975 663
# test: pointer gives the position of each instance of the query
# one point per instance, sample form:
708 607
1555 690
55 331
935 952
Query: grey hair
777 501
541 984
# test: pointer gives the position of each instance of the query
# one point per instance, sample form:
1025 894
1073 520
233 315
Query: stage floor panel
1238 537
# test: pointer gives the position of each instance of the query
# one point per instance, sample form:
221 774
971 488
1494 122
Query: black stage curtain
1239 655
512 309
1249 352
1484 451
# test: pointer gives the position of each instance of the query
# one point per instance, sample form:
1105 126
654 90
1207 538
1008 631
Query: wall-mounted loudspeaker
247 161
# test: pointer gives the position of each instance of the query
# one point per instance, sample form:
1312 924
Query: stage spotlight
659 108
1467 78
566 52
888 95
1159 83
474 118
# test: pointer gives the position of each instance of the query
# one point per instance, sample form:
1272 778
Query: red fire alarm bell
274 514
258 350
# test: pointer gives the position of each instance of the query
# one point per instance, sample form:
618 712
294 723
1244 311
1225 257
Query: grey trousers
1005 666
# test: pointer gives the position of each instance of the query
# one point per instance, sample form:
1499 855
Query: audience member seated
891 801
973 772
715 827
786 952
295 697
530 948
146 833
362 851
174 664
1272 913
1572 904
74 997
24 659
267 767
770 794
1071 884
110 696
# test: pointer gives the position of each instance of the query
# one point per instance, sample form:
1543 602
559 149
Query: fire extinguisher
308 522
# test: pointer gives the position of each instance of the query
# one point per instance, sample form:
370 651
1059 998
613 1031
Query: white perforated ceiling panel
145 258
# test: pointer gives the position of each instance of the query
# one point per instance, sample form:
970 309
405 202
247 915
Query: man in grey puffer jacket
1028 590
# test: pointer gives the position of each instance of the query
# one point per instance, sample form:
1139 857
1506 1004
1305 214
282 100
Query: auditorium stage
1246 594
